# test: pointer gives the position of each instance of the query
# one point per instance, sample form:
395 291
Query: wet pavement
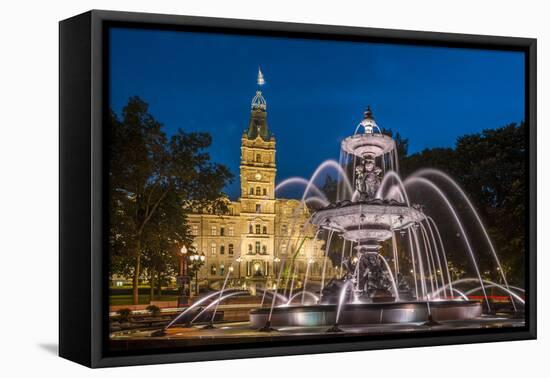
242 332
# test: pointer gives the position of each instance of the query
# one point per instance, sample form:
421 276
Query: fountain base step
366 313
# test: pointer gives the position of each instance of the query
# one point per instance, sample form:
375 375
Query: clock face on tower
258 176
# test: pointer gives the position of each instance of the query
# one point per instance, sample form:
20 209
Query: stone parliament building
260 231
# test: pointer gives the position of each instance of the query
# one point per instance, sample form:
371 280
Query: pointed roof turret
258 102
257 125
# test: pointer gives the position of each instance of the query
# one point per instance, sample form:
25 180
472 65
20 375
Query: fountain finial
368 123
368 113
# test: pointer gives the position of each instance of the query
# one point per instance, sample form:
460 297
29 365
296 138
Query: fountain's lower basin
366 313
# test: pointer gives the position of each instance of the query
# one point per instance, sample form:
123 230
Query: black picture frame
82 253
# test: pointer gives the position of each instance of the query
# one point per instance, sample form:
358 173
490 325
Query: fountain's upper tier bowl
368 144
367 220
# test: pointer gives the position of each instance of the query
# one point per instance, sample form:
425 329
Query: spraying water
221 294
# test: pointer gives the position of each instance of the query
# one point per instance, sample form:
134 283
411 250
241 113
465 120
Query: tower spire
261 80
258 117
258 102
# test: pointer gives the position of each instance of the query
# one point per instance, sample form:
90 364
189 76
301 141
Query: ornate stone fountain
366 220
367 291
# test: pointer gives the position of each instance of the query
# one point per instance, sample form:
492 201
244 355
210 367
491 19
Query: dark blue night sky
316 91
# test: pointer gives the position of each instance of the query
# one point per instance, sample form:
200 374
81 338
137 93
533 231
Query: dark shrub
124 314
154 310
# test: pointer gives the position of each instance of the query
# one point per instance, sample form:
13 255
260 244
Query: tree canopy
490 167
154 179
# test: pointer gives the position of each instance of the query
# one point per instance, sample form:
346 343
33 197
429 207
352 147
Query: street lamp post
239 260
275 263
202 257
183 270
197 261
192 262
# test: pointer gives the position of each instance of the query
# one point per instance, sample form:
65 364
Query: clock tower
260 231
257 174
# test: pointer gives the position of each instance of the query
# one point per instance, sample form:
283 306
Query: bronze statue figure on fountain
367 178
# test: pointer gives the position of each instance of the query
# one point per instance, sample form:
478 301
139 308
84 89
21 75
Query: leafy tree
167 232
153 179
193 271
493 173
438 158
491 168
401 144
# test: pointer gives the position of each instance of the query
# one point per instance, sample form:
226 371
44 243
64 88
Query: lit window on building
231 231
213 231
230 249
213 270
257 247
213 249
222 269
194 230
